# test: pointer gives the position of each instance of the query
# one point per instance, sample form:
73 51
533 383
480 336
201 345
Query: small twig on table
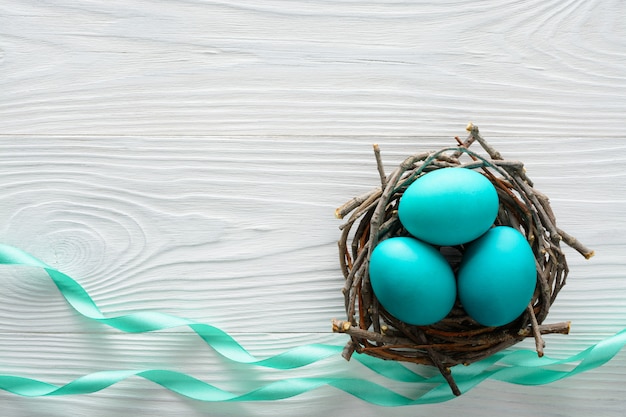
355 202
488 148
468 142
575 244
379 165
341 326
539 343
445 371
348 350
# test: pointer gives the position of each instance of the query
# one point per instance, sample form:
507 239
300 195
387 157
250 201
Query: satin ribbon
518 367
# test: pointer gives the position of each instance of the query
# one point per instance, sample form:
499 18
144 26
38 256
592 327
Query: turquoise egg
412 280
449 206
497 277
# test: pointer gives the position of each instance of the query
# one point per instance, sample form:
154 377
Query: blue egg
449 206
497 277
412 280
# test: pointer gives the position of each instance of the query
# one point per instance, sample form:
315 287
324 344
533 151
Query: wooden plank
187 157
259 68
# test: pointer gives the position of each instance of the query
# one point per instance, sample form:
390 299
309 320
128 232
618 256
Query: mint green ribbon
518 367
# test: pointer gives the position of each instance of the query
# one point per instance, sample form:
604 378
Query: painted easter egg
449 206
412 280
497 277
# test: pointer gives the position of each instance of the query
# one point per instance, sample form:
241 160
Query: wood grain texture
187 157
312 67
239 232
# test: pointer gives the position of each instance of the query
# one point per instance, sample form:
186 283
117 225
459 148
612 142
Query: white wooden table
187 157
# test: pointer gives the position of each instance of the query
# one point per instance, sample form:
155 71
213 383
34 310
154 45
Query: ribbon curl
518 367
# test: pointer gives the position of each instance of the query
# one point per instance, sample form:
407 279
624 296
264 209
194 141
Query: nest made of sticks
457 339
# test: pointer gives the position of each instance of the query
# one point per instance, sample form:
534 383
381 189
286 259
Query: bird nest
457 339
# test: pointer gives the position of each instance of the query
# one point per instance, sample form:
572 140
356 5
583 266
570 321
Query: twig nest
458 337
